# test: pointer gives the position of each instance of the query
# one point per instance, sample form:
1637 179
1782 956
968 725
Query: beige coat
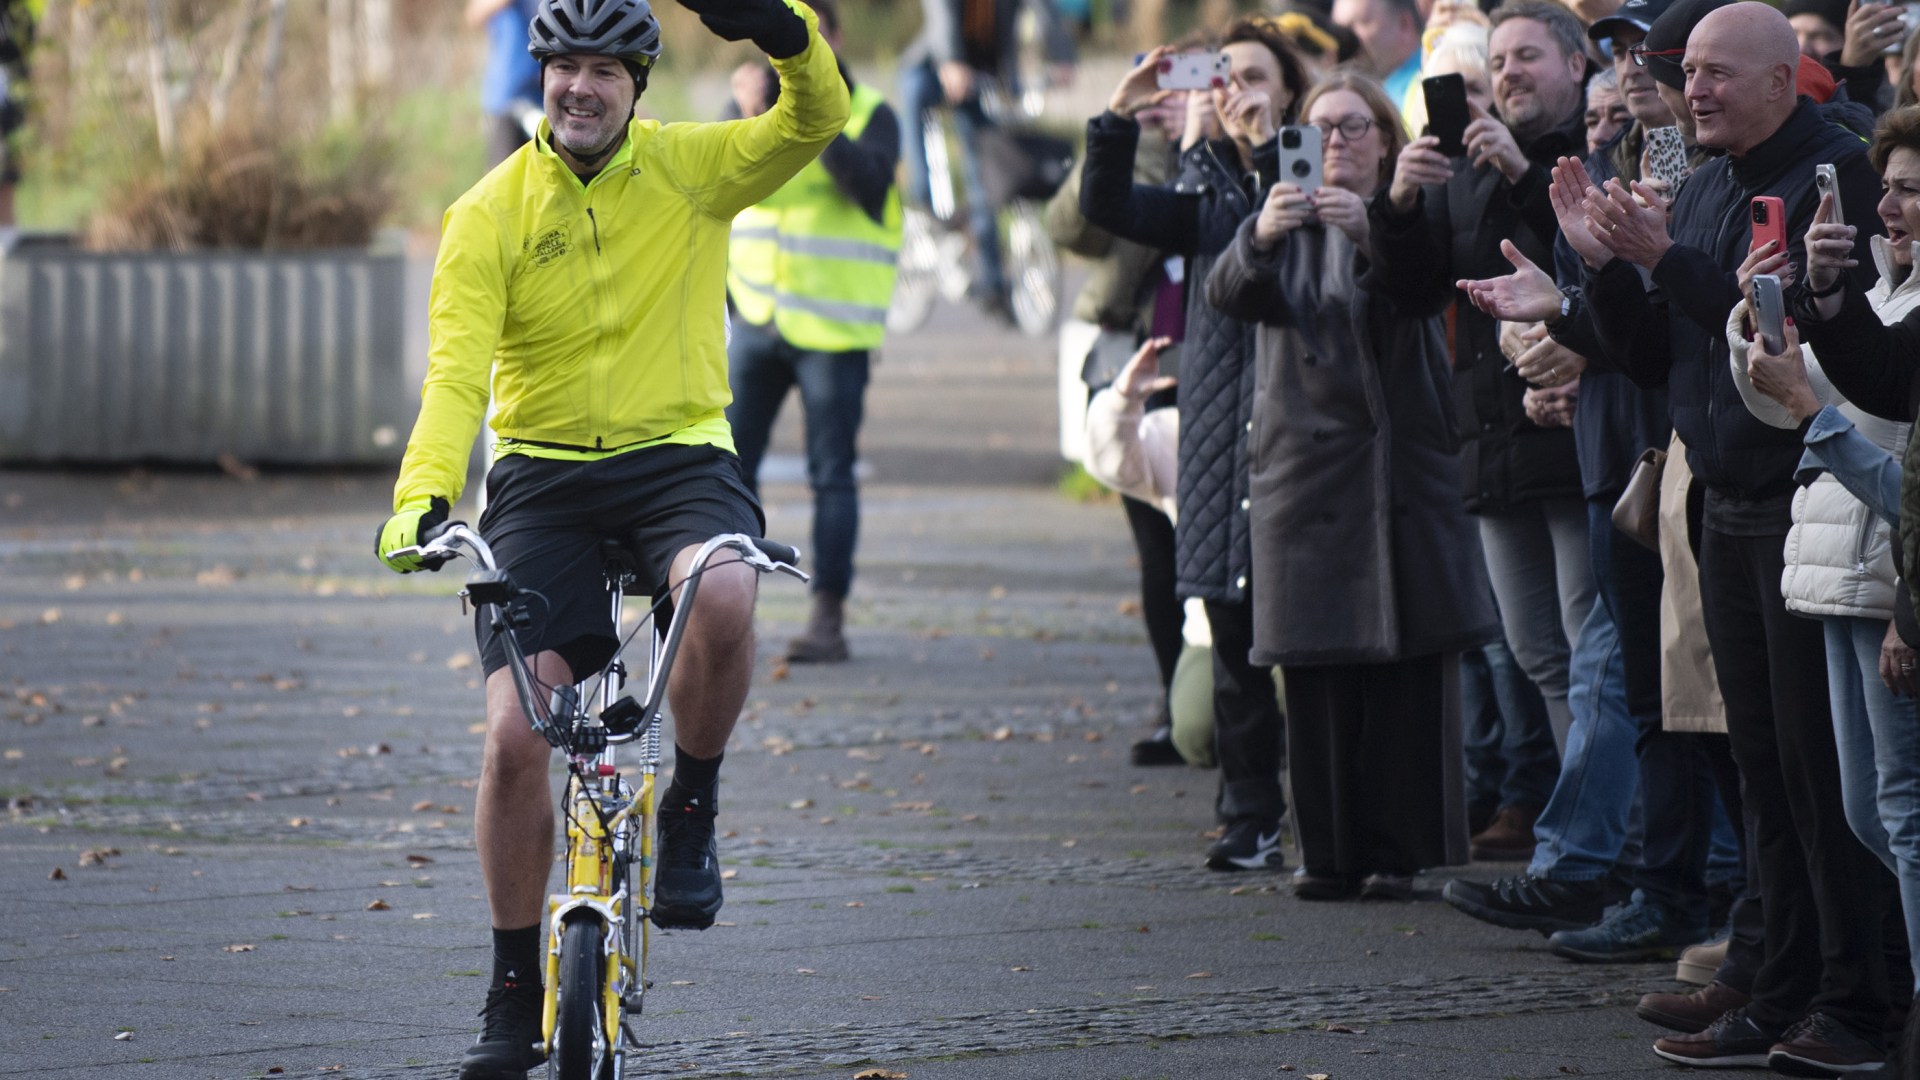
1689 687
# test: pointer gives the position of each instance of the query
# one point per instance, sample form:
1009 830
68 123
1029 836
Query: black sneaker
686 888
1820 1046
1635 930
509 1042
1249 844
1157 748
1532 903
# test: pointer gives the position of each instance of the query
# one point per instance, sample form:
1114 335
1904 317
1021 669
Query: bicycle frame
609 824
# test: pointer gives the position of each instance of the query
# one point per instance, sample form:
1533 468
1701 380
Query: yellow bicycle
596 967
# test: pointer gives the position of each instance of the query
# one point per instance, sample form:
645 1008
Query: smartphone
1667 159
1195 70
1447 111
1769 222
1770 312
1909 18
1300 156
1170 360
1827 182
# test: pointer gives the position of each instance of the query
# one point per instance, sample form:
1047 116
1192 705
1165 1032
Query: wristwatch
1566 309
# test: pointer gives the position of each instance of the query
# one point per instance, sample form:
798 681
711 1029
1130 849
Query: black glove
777 29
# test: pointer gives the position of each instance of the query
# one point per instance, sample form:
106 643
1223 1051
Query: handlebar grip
428 536
777 551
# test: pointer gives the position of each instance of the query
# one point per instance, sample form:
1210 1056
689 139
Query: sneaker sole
1789 1065
682 918
1693 974
1541 924
1272 860
1729 1061
1499 854
1637 954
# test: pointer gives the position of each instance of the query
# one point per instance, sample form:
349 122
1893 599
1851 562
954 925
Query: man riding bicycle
586 275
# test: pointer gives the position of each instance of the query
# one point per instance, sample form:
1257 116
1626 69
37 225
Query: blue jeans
1584 829
1541 567
919 91
1511 759
833 389
1878 738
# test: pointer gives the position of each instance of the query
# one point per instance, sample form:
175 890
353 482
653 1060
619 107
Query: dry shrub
252 189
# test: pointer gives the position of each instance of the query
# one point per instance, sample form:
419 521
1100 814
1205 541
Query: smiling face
589 100
1638 88
1900 207
1535 84
1354 164
1740 68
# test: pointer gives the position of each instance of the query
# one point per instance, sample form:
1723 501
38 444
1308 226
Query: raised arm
726 167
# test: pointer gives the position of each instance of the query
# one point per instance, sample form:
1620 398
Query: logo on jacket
545 248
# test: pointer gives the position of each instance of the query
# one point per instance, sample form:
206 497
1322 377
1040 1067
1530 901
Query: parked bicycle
596 961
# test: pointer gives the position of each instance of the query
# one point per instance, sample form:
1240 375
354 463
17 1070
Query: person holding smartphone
1364 595
1222 183
1442 218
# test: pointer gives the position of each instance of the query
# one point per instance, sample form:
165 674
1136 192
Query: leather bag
1638 512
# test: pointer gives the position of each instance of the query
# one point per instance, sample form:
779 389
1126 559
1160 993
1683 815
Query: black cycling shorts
546 520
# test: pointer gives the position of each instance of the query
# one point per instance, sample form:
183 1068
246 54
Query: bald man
1655 300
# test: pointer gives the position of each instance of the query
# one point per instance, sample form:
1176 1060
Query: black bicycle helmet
625 29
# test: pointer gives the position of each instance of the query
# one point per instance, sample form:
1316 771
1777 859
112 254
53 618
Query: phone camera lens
1302 169
1760 213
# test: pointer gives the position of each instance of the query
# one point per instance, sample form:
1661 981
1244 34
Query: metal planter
271 357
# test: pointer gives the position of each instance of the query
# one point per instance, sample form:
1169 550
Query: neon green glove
405 529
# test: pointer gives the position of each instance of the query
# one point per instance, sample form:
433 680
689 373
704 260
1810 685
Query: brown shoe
1509 838
823 642
1690 1012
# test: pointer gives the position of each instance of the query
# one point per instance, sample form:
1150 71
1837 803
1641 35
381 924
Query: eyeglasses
1350 128
1640 53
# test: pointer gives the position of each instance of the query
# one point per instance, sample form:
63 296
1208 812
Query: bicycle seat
618 558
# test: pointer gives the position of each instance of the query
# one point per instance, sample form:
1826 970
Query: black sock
694 777
516 957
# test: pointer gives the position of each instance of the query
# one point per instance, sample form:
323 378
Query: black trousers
1824 896
1249 734
1373 762
1159 603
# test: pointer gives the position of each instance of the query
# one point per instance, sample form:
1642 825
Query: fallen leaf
781 670
1317 1076
1572 1070
299 822
879 1074
423 915
805 971
1201 975
275 1070
123 1036
729 875
419 860
1001 734
1342 1029
57 875
1021 968
237 948
800 804
379 905
850 903
459 661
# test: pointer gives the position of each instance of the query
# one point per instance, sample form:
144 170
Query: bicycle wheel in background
580 1050
917 285
1033 269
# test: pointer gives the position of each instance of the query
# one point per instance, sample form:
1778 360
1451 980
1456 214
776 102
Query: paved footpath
239 761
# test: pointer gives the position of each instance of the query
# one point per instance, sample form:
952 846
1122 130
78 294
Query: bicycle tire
917 284
1033 267
577 1019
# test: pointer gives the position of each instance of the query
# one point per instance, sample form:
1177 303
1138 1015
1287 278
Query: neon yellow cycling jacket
599 309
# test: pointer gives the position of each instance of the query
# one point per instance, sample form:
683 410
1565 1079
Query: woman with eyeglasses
1368 577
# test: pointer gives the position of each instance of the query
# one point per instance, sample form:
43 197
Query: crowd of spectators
1510 526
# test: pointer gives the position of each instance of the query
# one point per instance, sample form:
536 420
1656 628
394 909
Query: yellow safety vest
810 261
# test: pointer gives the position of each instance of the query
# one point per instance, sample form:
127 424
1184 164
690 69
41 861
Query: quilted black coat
1194 217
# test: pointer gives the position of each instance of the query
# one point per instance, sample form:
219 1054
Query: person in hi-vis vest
809 276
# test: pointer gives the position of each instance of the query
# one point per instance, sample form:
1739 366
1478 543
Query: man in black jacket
1658 304
1445 219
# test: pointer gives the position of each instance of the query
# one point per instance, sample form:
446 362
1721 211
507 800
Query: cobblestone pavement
239 761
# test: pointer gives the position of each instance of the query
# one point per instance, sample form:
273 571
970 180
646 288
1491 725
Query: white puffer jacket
1839 554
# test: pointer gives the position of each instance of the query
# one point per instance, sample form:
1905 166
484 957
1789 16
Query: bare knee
723 605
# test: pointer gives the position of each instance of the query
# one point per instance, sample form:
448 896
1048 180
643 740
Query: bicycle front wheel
580 1050
1033 269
